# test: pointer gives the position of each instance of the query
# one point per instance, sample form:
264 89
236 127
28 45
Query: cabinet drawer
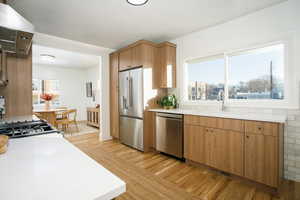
214 122
200 121
230 124
264 128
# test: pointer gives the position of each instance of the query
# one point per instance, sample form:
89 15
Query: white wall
103 53
272 24
72 85
93 75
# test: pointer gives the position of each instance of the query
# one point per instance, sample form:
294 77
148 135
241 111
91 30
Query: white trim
103 54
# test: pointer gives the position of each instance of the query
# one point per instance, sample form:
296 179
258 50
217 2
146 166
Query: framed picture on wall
89 89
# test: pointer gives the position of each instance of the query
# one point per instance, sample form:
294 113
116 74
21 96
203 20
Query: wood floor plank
235 190
153 176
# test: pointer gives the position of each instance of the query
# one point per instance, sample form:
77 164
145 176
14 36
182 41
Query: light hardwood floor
156 176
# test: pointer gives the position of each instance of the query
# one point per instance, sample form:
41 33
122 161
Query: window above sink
247 77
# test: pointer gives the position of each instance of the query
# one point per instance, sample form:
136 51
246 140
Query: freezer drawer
131 132
169 134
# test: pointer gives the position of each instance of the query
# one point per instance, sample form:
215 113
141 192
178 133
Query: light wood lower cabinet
194 138
229 151
254 152
261 159
223 150
217 148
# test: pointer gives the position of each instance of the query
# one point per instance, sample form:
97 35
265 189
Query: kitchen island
50 168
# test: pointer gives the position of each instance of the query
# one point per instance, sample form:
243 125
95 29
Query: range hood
15 31
16 35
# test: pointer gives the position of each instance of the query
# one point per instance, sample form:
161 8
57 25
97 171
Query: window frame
265 103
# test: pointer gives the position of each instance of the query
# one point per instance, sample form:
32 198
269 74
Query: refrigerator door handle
130 92
124 102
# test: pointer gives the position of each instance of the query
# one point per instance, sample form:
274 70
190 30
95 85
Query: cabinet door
165 69
224 150
210 148
114 103
261 159
125 59
194 143
228 151
137 56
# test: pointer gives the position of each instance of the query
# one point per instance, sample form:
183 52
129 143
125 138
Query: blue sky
241 68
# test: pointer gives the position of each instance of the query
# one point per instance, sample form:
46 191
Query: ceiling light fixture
47 57
137 2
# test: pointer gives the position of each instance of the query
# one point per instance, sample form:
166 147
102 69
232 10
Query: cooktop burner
26 128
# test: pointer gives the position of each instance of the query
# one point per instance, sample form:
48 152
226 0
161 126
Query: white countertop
230 115
51 168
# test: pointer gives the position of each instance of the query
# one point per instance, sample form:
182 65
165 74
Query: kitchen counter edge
229 115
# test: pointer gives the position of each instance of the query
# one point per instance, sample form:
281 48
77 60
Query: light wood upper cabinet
160 57
125 59
114 95
194 143
165 66
139 54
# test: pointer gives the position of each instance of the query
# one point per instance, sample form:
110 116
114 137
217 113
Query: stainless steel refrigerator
131 107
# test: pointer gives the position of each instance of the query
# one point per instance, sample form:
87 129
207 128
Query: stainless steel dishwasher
169 134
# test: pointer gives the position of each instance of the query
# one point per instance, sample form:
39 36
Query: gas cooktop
19 129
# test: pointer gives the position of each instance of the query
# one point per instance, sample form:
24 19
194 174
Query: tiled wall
292 146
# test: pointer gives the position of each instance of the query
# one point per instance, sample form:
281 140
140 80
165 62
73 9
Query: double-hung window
256 74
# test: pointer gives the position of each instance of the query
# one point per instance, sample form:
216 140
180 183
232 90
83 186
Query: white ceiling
63 58
115 23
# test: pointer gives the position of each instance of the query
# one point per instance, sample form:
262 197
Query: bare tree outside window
258 74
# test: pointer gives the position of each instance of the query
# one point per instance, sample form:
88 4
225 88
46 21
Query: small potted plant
168 102
47 98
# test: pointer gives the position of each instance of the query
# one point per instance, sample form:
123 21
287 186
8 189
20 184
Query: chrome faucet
221 97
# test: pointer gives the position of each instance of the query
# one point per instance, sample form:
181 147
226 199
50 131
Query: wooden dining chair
68 118
58 114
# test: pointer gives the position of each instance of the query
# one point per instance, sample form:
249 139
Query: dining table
50 114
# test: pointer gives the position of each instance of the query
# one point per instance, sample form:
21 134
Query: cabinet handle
247 136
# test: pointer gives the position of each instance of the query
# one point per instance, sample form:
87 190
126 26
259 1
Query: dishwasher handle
169 115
